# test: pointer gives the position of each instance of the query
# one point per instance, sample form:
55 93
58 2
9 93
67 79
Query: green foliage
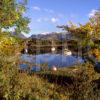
79 82
11 16
22 86
9 52
87 34
16 86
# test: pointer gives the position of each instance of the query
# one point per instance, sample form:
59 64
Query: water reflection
57 60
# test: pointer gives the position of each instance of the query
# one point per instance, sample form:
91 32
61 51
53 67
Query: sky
46 15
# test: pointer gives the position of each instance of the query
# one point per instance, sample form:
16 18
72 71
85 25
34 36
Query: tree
95 22
11 16
86 34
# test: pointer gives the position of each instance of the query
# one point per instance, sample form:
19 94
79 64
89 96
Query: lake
58 60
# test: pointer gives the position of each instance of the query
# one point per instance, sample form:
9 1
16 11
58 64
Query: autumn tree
11 18
86 34
95 22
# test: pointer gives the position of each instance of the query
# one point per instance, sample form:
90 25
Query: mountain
53 35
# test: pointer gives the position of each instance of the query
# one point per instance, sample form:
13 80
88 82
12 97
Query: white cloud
46 19
39 20
48 10
54 20
36 8
92 13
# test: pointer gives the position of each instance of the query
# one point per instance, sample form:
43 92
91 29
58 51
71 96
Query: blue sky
45 15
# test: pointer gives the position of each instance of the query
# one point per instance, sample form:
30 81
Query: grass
79 83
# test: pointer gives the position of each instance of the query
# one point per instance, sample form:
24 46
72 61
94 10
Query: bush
21 86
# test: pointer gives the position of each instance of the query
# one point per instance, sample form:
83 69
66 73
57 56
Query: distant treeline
35 46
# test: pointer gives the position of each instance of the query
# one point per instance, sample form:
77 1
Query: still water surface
51 60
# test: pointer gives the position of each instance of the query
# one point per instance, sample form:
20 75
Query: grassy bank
77 83
74 83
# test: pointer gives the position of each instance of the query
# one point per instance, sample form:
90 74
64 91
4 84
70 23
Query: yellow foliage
9 45
96 53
